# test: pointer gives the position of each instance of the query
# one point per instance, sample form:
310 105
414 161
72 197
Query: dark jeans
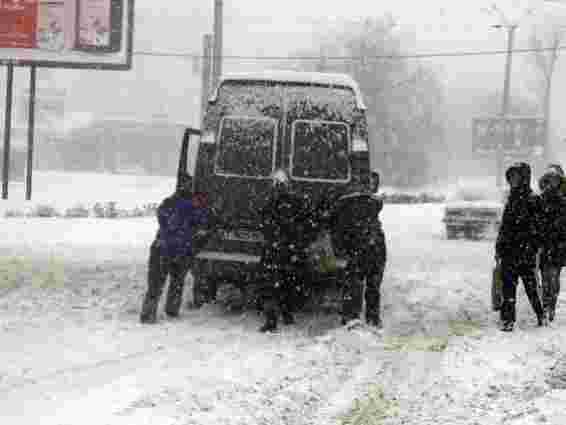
160 267
280 288
511 274
370 267
550 285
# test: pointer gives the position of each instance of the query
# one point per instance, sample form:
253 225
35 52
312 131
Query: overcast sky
259 27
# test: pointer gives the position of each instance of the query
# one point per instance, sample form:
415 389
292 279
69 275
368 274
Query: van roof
319 78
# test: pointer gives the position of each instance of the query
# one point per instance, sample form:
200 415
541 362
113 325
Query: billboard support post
7 129
31 129
218 35
206 73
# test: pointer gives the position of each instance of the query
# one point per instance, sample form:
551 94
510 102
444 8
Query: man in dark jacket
518 243
283 263
356 224
171 251
553 226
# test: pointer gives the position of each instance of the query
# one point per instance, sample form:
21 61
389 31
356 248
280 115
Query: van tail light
208 137
359 145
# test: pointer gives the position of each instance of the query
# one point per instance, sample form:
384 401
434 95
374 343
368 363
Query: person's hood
557 168
524 171
546 179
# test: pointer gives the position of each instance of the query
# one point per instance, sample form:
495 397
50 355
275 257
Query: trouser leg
530 282
288 296
178 271
373 297
269 297
352 294
156 277
509 290
551 289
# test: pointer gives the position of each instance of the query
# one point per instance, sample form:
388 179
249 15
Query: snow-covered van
311 124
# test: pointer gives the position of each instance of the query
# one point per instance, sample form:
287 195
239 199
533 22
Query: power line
353 58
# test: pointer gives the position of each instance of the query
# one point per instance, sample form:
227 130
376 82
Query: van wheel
204 287
451 232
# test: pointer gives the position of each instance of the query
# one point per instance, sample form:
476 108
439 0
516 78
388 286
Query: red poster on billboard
18 20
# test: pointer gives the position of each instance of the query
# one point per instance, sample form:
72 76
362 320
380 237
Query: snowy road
73 352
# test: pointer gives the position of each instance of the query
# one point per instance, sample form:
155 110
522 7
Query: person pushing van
171 252
355 221
284 226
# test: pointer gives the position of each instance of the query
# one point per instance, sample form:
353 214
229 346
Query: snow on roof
319 78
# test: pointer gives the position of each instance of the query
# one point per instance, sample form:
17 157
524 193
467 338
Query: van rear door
240 149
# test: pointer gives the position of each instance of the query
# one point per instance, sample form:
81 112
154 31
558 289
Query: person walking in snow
179 216
356 224
553 229
518 243
286 231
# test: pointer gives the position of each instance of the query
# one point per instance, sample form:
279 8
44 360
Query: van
313 125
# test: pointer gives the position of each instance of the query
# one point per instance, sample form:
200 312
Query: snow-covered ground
73 352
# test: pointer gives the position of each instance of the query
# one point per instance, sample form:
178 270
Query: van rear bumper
237 257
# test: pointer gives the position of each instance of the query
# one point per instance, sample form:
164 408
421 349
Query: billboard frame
106 66
32 64
501 140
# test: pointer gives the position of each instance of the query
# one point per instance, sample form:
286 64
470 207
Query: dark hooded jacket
519 236
355 222
553 225
286 226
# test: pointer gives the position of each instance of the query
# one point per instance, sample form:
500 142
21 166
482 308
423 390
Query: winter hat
523 170
551 176
557 168
280 177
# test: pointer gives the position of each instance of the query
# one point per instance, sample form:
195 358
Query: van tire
451 232
204 290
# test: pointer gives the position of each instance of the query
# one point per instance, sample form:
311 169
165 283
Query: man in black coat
518 242
553 225
357 227
286 230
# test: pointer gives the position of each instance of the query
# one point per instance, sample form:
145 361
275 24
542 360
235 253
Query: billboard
518 135
67 33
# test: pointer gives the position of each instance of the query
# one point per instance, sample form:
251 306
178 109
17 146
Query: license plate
244 235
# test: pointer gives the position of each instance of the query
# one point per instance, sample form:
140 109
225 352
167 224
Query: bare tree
404 99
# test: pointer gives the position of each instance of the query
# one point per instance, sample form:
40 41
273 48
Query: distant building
123 145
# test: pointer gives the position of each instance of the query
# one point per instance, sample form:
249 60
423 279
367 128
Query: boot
551 314
375 321
149 310
507 327
288 318
286 314
541 321
270 324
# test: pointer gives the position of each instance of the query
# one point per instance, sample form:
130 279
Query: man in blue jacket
172 250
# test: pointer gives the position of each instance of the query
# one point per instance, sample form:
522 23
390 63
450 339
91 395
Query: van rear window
246 146
320 150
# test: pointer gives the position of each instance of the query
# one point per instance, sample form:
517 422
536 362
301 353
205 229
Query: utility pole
207 45
218 27
506 97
